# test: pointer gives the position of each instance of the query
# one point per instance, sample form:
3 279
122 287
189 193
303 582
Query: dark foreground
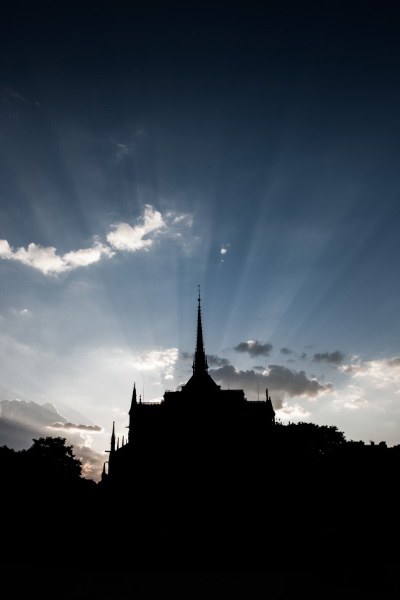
103 548
323 528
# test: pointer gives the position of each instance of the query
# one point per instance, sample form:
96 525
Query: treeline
303 496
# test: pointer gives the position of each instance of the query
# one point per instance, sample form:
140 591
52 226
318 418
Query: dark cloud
335 358
212 359
394 362
286 351
276 378
216 361
68 425
21 421
254 348
30 413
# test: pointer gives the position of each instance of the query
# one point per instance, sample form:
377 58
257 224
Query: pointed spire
200 359
113 438
134 398
270 407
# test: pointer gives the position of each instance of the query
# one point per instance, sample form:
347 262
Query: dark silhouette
199 431
209 482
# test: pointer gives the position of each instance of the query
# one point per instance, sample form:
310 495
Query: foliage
309 439
53 458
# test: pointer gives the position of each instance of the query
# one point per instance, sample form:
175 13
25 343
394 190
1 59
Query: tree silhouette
52 458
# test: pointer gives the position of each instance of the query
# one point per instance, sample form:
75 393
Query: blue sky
146 150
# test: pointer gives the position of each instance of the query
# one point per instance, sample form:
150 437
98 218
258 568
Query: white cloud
292 412
87 256
126 237
5 249
160 360
381 372
46 259
43 259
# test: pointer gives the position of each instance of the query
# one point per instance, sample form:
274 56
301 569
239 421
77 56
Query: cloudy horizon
251 150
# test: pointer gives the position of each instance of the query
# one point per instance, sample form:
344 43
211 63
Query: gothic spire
200 360
134 398
113 438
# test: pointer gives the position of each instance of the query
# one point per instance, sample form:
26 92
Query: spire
134 398
200 360
270 407
113 438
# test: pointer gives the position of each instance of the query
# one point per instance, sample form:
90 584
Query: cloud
46 259
30 413
59 425
286 351
92 461
5 249
212 359
216 361
160 360
88 256
254 348
394 362
124 149
381 372
335 358
131 239
124 237
276 378
292 412
22 420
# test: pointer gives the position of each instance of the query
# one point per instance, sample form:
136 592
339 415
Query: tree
52 458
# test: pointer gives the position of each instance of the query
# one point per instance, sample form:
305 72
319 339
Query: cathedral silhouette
193 432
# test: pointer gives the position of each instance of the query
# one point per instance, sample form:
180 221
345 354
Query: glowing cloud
125 237
131 239
381 372
46 259
163 360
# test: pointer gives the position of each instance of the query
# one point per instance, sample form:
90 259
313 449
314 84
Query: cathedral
199 429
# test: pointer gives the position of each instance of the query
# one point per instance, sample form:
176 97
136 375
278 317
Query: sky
148 148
